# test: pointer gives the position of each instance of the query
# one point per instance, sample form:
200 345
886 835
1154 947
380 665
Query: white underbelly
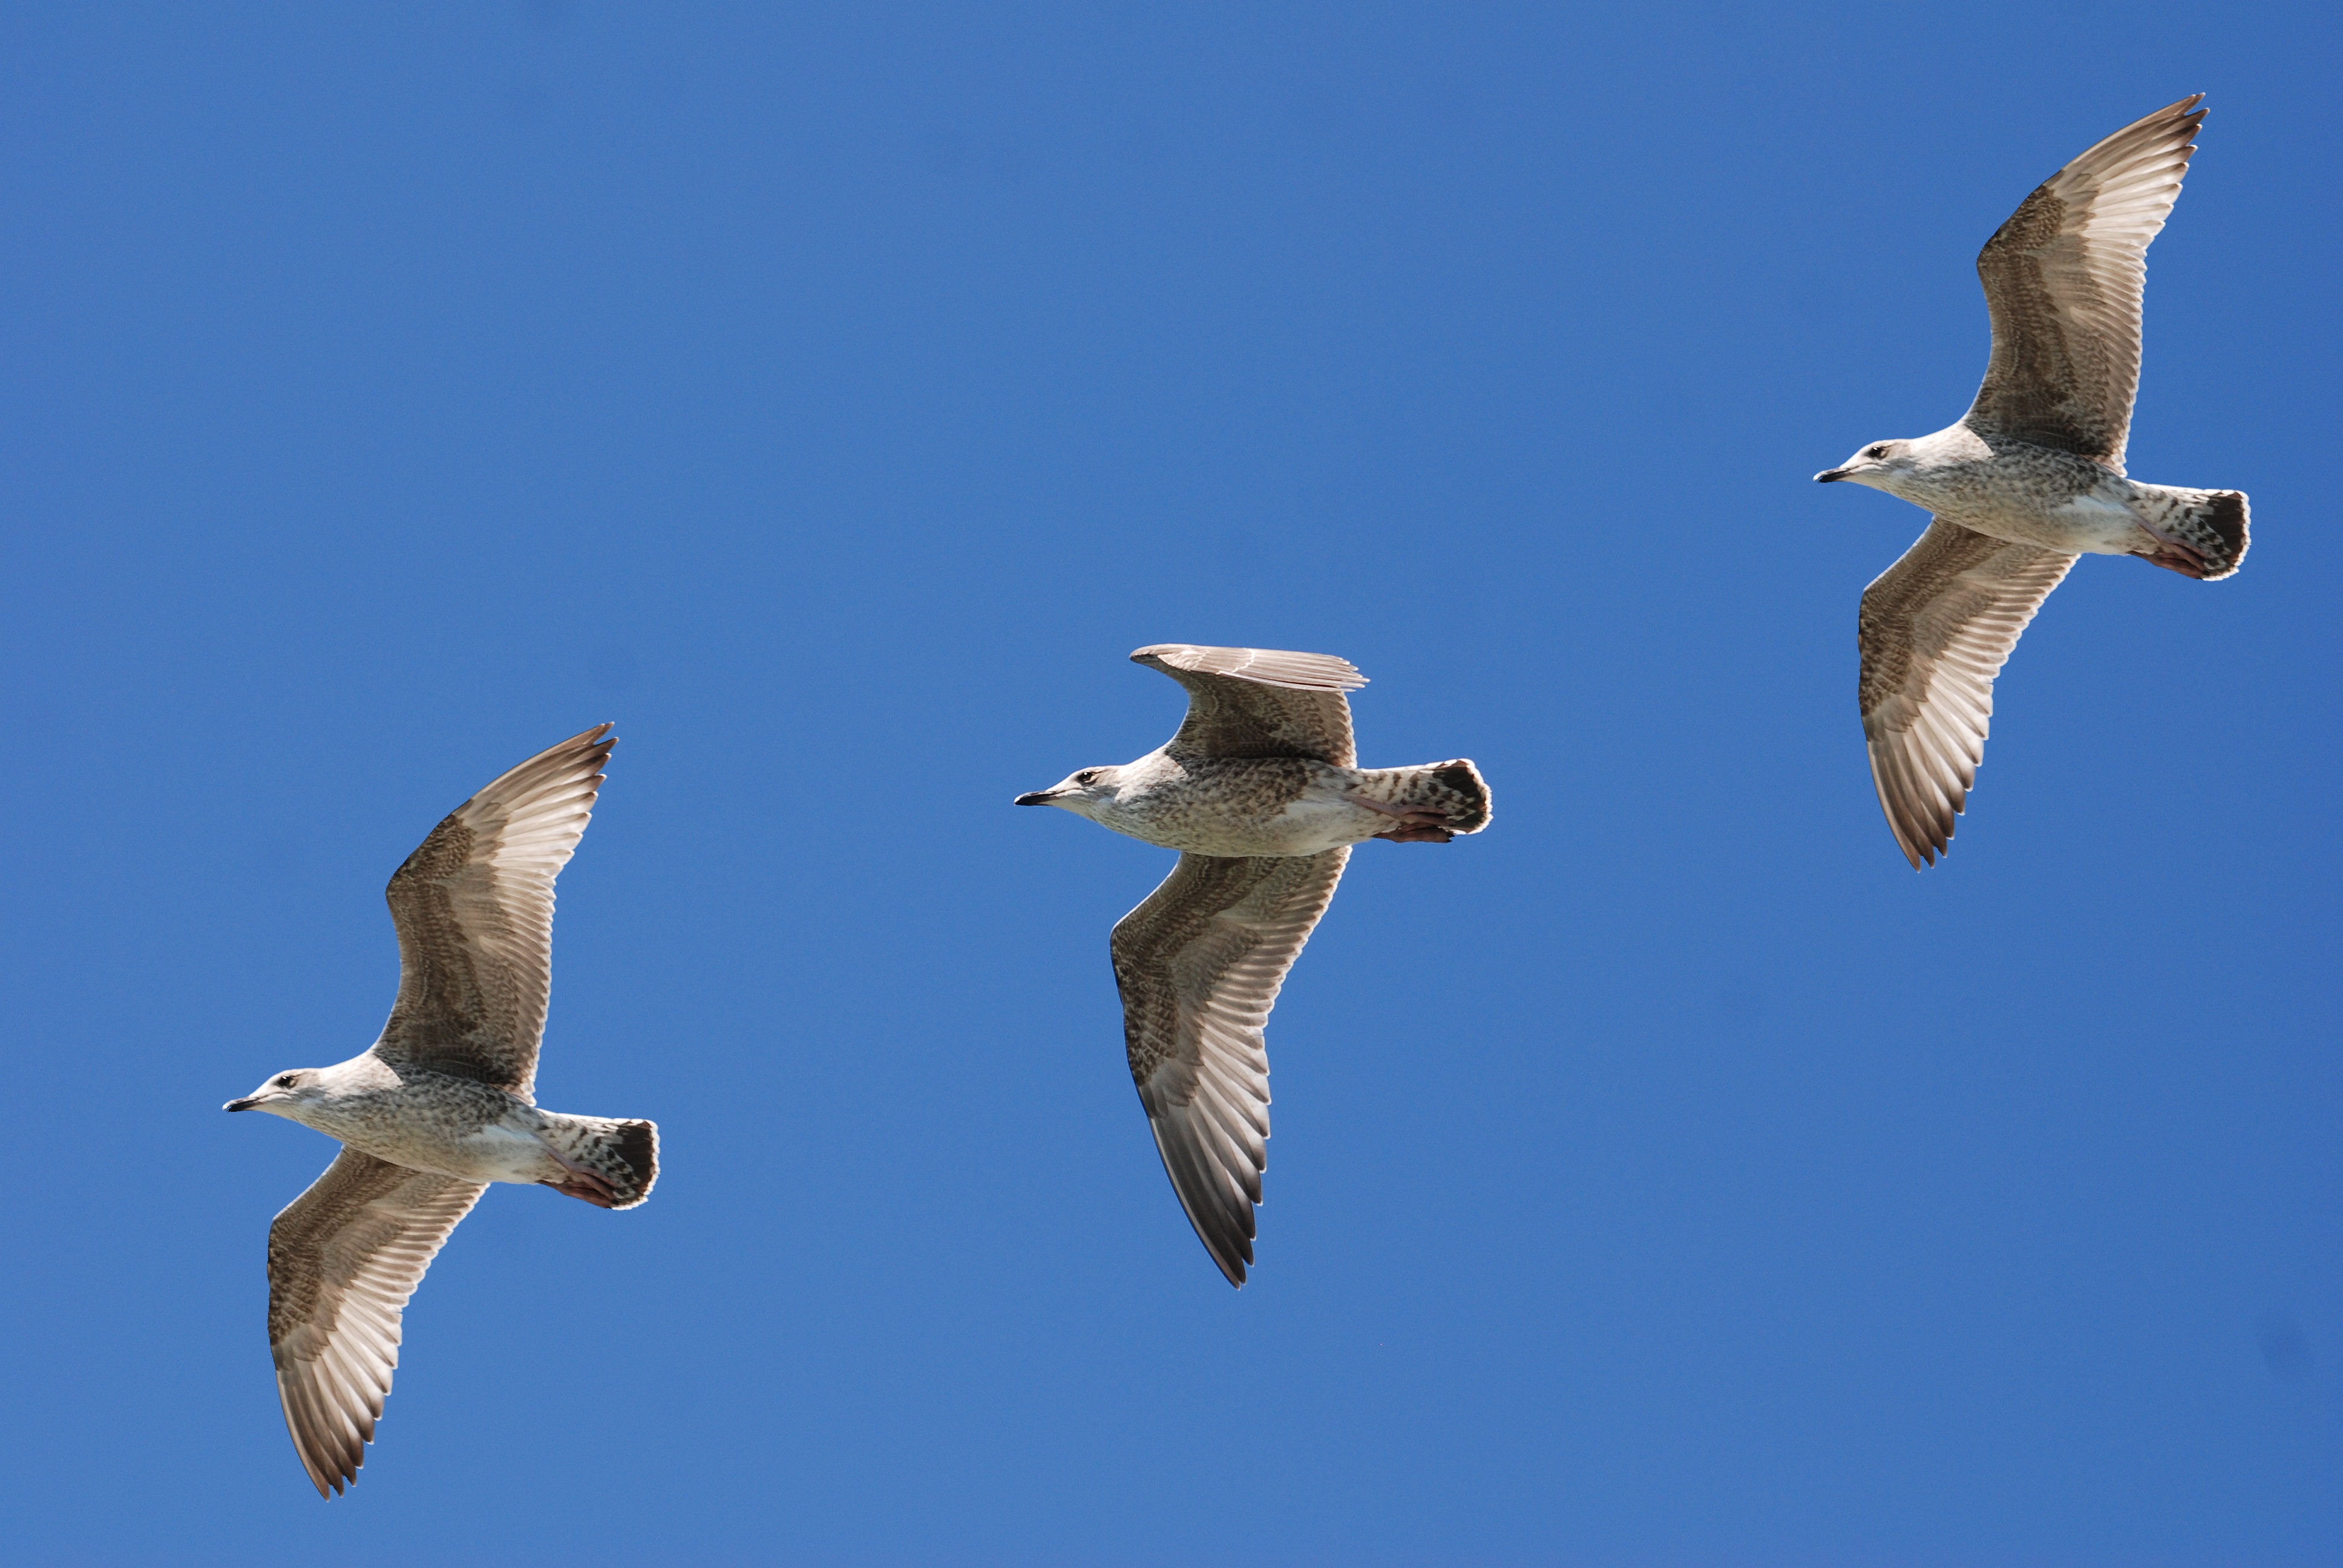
2096 525
1316 823
1307 825
491 1154
507 1154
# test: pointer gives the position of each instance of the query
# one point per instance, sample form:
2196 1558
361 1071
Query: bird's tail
2210 527
623 1155
1454 792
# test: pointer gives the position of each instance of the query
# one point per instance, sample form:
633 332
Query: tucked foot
2201 534
1418 833
587 1188
1414 824
2175 556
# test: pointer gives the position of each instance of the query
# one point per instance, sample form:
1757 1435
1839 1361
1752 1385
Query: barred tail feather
1455 789
634 1145
2206 531
2224 516
623 1154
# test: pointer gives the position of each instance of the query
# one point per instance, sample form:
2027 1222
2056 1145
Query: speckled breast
1253 806
453 1126
2035 496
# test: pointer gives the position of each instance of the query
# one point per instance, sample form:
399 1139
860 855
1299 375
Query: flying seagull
1261 794
2032 476
439 1106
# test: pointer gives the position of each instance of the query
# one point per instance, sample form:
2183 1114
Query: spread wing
343 1259
1260 702
1934 629
474 909
1199 965
2063 279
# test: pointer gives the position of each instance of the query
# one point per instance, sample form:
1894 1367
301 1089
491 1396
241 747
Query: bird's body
451 1126
439 1107
1261 794
2030 478
2029 495
1256 804
2024 494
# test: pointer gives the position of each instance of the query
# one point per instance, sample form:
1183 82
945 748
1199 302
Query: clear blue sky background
832 397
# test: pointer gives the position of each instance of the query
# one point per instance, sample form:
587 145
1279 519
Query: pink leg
1416 825
2175 555
584 1185
2179 558
600 1194
1420 833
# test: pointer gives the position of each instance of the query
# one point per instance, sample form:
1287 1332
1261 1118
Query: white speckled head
309 1095
1879 465
1081 793
286 1094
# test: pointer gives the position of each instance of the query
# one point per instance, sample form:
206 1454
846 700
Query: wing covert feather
342 1259
1260 702
1200 964
2064 280
474 909
1933 631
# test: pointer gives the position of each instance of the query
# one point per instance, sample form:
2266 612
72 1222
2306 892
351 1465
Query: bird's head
1879 465
1081 793
286 1094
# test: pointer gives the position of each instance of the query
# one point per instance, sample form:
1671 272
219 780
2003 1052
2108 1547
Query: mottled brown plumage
2030 477
473 909
439 1106
2064 280
1260 792
1235 711
1199 965
1934 629
343 1259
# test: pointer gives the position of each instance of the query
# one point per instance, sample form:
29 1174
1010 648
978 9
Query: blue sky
831 398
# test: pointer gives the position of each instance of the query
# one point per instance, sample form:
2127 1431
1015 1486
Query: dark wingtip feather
1225 1228
1902 802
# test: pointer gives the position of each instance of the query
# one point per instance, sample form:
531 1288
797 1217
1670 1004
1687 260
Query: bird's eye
1087 776
284 1081
1879 451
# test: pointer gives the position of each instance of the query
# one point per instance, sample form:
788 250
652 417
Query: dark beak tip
237 1105
1830 476
1037 798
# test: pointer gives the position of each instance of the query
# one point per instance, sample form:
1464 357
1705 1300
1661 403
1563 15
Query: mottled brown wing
343 1259
2063 279
1260 701
1934 629
1199 965
474 909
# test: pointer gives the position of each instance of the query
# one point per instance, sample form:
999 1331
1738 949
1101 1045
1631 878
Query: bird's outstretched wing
1260 702
343 1259
2063 280
474 909
1199 965
1934 629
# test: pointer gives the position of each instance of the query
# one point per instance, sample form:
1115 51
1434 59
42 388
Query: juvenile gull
439 1106
2032 476
1260 793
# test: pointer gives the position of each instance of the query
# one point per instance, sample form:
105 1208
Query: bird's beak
239 1105
1829 475
1037 798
